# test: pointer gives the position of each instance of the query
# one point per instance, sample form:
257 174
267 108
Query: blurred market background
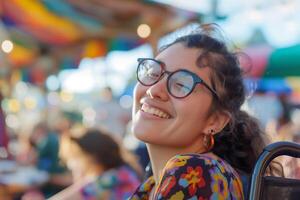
71 63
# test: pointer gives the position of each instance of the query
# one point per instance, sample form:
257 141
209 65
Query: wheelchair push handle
284 148
269 153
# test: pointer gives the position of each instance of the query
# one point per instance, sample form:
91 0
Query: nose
159 90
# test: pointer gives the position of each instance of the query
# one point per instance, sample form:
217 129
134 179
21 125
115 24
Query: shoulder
191 159
205 161
198 175
123 179
144 190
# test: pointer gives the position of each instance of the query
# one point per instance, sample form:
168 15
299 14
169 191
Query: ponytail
241 142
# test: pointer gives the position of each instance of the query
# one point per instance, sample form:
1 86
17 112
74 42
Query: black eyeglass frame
196 78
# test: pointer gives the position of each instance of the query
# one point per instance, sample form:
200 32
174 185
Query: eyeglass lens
179 83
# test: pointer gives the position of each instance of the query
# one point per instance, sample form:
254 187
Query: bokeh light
53 98
21 88
12 121
14 105
89 116
30 103
143 30
52 83
7 46
66 96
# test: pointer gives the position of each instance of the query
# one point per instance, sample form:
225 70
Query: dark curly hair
242 140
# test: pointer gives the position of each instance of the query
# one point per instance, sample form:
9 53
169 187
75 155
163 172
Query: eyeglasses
180 83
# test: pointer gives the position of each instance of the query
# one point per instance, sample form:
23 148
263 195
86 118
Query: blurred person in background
99 168
46 146
187 109
286 128
42 150
46 143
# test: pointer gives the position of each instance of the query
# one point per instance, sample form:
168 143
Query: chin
141 134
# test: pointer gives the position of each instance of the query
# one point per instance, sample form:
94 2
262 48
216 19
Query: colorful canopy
91 27
284 62
273 70
266 62
254 59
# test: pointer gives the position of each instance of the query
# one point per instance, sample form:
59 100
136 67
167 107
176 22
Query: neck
160 155
94 171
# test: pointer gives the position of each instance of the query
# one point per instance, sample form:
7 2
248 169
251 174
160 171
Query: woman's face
176 122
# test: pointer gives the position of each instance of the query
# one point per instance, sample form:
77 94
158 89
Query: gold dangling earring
209 140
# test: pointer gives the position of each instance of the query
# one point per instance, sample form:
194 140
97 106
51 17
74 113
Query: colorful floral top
194 177
115 184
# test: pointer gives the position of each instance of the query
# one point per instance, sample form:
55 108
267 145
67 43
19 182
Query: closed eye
181 86
153 75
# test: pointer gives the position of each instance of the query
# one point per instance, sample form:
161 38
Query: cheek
138 92
194 114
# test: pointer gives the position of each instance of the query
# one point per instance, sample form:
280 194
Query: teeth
155 111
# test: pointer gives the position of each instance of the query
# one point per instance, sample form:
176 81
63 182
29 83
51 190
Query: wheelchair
270 187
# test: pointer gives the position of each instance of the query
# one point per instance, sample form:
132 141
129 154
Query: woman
98 168
187 108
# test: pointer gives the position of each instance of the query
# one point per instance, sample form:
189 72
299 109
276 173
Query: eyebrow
159 60
162 62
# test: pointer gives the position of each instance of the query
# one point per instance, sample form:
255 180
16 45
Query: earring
209 140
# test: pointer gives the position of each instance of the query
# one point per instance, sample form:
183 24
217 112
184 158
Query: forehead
178 56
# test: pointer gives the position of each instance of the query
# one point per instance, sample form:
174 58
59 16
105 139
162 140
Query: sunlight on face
187 116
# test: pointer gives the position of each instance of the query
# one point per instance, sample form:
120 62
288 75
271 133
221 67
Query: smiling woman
187 108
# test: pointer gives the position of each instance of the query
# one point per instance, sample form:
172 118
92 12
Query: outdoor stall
72 63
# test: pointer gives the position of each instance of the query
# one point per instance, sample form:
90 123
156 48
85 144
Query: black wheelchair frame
269 153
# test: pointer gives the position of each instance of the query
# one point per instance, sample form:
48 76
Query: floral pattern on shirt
194 177
115 184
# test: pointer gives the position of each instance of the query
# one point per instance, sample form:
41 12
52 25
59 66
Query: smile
154 111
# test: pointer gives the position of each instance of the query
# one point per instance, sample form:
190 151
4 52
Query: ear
217 121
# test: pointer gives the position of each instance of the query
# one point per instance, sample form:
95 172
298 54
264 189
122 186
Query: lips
155 111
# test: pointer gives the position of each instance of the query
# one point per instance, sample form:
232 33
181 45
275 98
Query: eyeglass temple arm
210 89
